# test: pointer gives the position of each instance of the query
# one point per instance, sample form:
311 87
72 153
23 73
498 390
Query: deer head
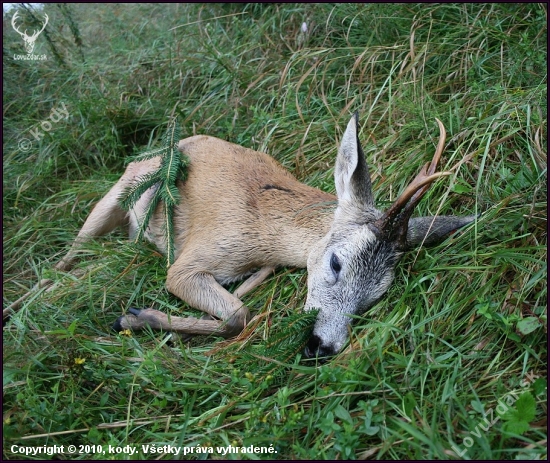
352 267
29 40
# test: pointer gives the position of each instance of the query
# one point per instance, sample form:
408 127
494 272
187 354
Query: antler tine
428 172
440 147
394 223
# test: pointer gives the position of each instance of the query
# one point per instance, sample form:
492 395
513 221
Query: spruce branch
133 192
272 356
163 183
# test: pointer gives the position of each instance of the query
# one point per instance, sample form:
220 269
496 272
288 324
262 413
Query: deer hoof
121 323
117 325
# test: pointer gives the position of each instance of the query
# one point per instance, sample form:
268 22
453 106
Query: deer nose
316 349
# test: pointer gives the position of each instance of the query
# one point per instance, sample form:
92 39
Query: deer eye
335 265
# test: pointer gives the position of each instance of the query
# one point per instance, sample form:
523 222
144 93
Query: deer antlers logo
29 40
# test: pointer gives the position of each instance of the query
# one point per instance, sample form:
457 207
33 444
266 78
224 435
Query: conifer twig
163 181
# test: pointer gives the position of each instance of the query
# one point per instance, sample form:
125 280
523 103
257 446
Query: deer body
242 214
246 211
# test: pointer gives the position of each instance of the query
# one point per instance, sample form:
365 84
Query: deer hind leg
201 291
104 218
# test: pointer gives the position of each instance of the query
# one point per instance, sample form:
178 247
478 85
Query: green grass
423 370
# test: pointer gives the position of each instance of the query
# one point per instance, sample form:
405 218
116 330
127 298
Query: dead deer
242 215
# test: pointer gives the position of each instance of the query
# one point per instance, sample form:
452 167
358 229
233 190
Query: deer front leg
138 319
253 281
201 291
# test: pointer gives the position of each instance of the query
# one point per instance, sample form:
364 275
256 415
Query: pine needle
271 356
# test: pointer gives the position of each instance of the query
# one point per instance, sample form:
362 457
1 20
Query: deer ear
432 230
351 174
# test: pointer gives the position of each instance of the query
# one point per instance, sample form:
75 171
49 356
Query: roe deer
242 214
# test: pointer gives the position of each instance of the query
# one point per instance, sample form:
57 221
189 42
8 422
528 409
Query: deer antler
393 225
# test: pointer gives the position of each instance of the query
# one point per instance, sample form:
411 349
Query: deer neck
297 218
